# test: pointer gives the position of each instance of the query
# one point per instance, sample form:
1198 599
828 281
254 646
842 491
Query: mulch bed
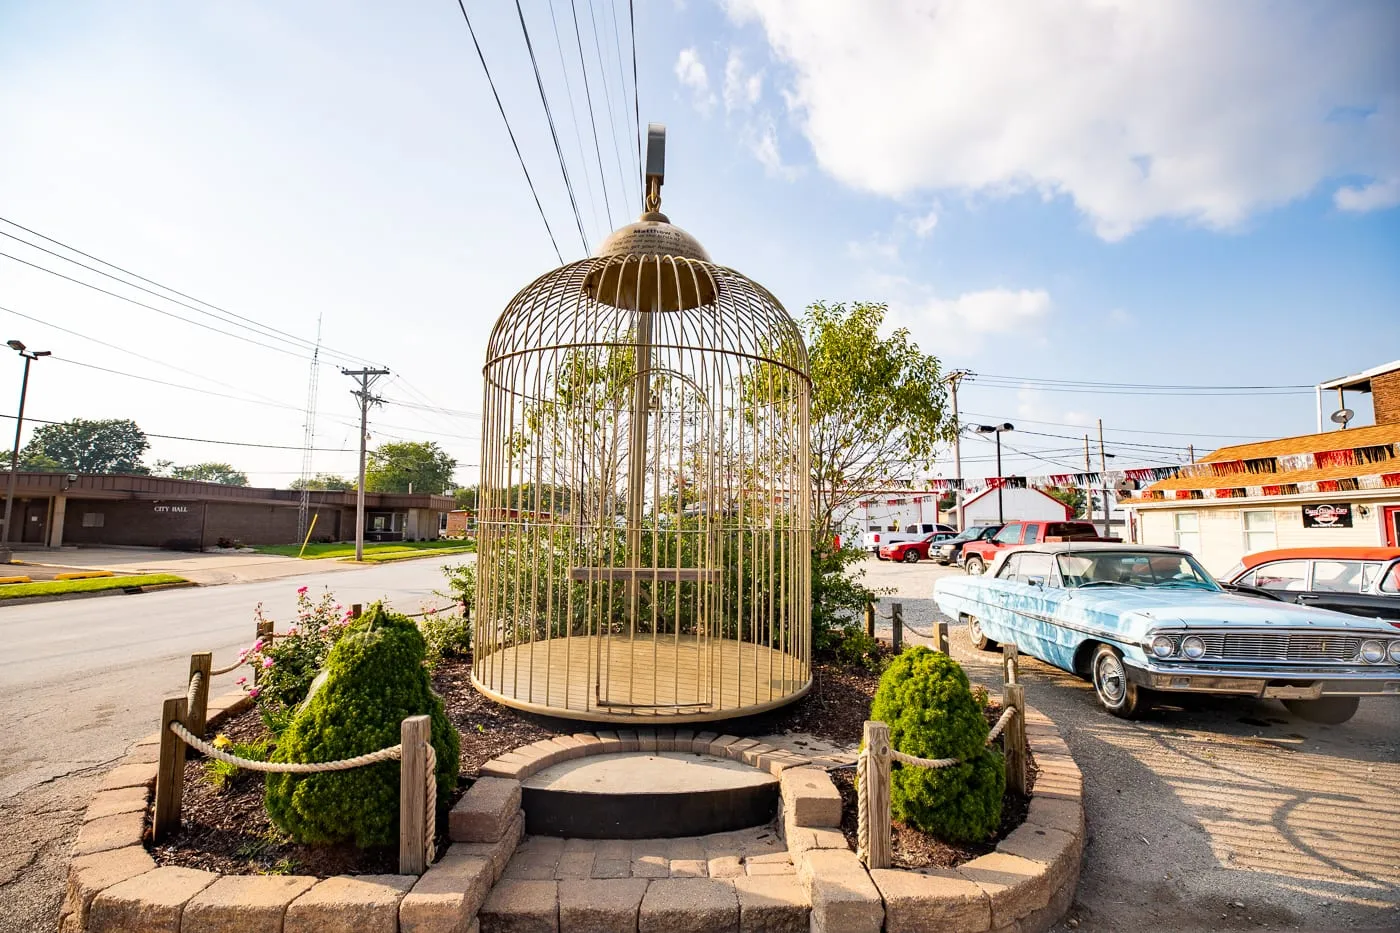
913 848
228 830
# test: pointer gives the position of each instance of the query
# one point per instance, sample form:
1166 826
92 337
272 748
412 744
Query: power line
1067 424
553 133
499 106
636 101
622 81
588 96
263 330
173 385
1132 385
573 118
142 304
607 96
206 440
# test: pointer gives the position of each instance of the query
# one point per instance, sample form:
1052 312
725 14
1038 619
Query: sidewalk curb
115 591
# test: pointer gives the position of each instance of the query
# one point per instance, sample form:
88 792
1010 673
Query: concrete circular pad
641 795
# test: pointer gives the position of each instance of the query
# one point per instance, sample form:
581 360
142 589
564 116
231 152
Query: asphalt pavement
1211 813
82 679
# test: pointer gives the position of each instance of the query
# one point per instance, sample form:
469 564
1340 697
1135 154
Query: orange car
1363 581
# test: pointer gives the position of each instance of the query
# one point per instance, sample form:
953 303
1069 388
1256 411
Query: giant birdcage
644 549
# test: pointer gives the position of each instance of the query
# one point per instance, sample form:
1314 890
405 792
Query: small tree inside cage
644 546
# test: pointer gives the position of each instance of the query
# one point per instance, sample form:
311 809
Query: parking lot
1214 813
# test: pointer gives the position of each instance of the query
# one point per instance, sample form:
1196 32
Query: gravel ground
1219 813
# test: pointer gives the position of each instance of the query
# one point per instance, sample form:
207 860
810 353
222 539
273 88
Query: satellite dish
1342 416
1125 486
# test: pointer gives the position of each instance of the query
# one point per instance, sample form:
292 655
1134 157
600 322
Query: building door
33 513
1390 518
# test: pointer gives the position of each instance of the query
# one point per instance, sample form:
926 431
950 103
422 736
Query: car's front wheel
975 565
1330 711
911 557
979 638
1116 693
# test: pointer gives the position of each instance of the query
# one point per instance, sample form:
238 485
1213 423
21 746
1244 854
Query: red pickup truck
977 555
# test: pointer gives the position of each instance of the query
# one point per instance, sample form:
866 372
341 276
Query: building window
93 519
1188 531
1259 530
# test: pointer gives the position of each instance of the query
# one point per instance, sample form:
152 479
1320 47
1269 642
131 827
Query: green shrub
857 649
375 679
446 634
461 585
838 596
925 699
220 774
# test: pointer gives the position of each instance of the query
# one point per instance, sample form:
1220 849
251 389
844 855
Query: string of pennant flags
1373 454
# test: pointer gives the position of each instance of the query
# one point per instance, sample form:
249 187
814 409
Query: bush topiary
925 700
375 679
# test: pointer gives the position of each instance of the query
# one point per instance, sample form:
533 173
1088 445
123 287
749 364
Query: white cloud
1135 111
1375 196
875 247
923 225
764 144
1035 405
961 324
691 73
741 89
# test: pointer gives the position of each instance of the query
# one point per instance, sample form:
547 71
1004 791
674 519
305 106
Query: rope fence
183 722
874 834
939 636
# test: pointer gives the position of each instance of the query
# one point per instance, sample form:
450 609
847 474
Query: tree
394 466
323 481
465 497
878 408
211 473
31 461
1071 496
113 445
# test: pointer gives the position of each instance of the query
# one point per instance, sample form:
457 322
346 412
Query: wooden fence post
943 644
200 664
897 620
415 733
1010 664
170 772
1014 737
355 610
875 795
870 619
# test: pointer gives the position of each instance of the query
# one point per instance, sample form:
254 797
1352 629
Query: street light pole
29 357
1001 482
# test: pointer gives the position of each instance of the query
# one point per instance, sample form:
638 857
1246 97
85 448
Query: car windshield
1133 568
971 534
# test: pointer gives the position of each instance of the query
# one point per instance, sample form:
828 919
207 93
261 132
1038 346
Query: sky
1184 194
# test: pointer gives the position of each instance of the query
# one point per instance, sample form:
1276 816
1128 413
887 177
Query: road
1214 802
82 679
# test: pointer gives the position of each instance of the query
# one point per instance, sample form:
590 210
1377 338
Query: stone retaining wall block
689 905
1016 886
110 832
600 906
350 904
844 899
113 802
932 899
88 875
149 903
486 810
448 895
521 907
811 797
772 904
243 904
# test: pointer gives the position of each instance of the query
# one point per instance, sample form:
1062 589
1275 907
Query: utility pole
954 378
1088 488
1103 478
1191 452
29 357
367 377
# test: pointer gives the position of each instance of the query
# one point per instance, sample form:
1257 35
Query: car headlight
1193 646
1372 652
1163 647
1395 651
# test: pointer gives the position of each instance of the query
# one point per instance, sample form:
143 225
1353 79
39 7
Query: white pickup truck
872 541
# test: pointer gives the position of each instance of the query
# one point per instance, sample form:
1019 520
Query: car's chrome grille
1280 646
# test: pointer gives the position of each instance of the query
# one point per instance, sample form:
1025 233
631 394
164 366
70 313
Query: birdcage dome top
652 235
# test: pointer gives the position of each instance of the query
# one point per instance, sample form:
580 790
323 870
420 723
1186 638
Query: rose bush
284 667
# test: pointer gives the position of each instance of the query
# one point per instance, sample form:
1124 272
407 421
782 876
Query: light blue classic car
1136 620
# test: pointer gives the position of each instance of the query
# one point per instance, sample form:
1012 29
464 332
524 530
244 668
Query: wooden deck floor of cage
642 680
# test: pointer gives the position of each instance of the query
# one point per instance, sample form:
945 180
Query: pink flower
258 645
242 655
292 630
301 591
241 681
254 693
267 662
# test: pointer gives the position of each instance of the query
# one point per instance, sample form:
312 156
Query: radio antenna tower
308 439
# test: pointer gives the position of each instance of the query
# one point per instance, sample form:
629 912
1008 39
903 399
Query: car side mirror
1036 581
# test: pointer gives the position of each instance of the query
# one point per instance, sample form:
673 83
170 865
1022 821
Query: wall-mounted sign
171 508
1327 515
